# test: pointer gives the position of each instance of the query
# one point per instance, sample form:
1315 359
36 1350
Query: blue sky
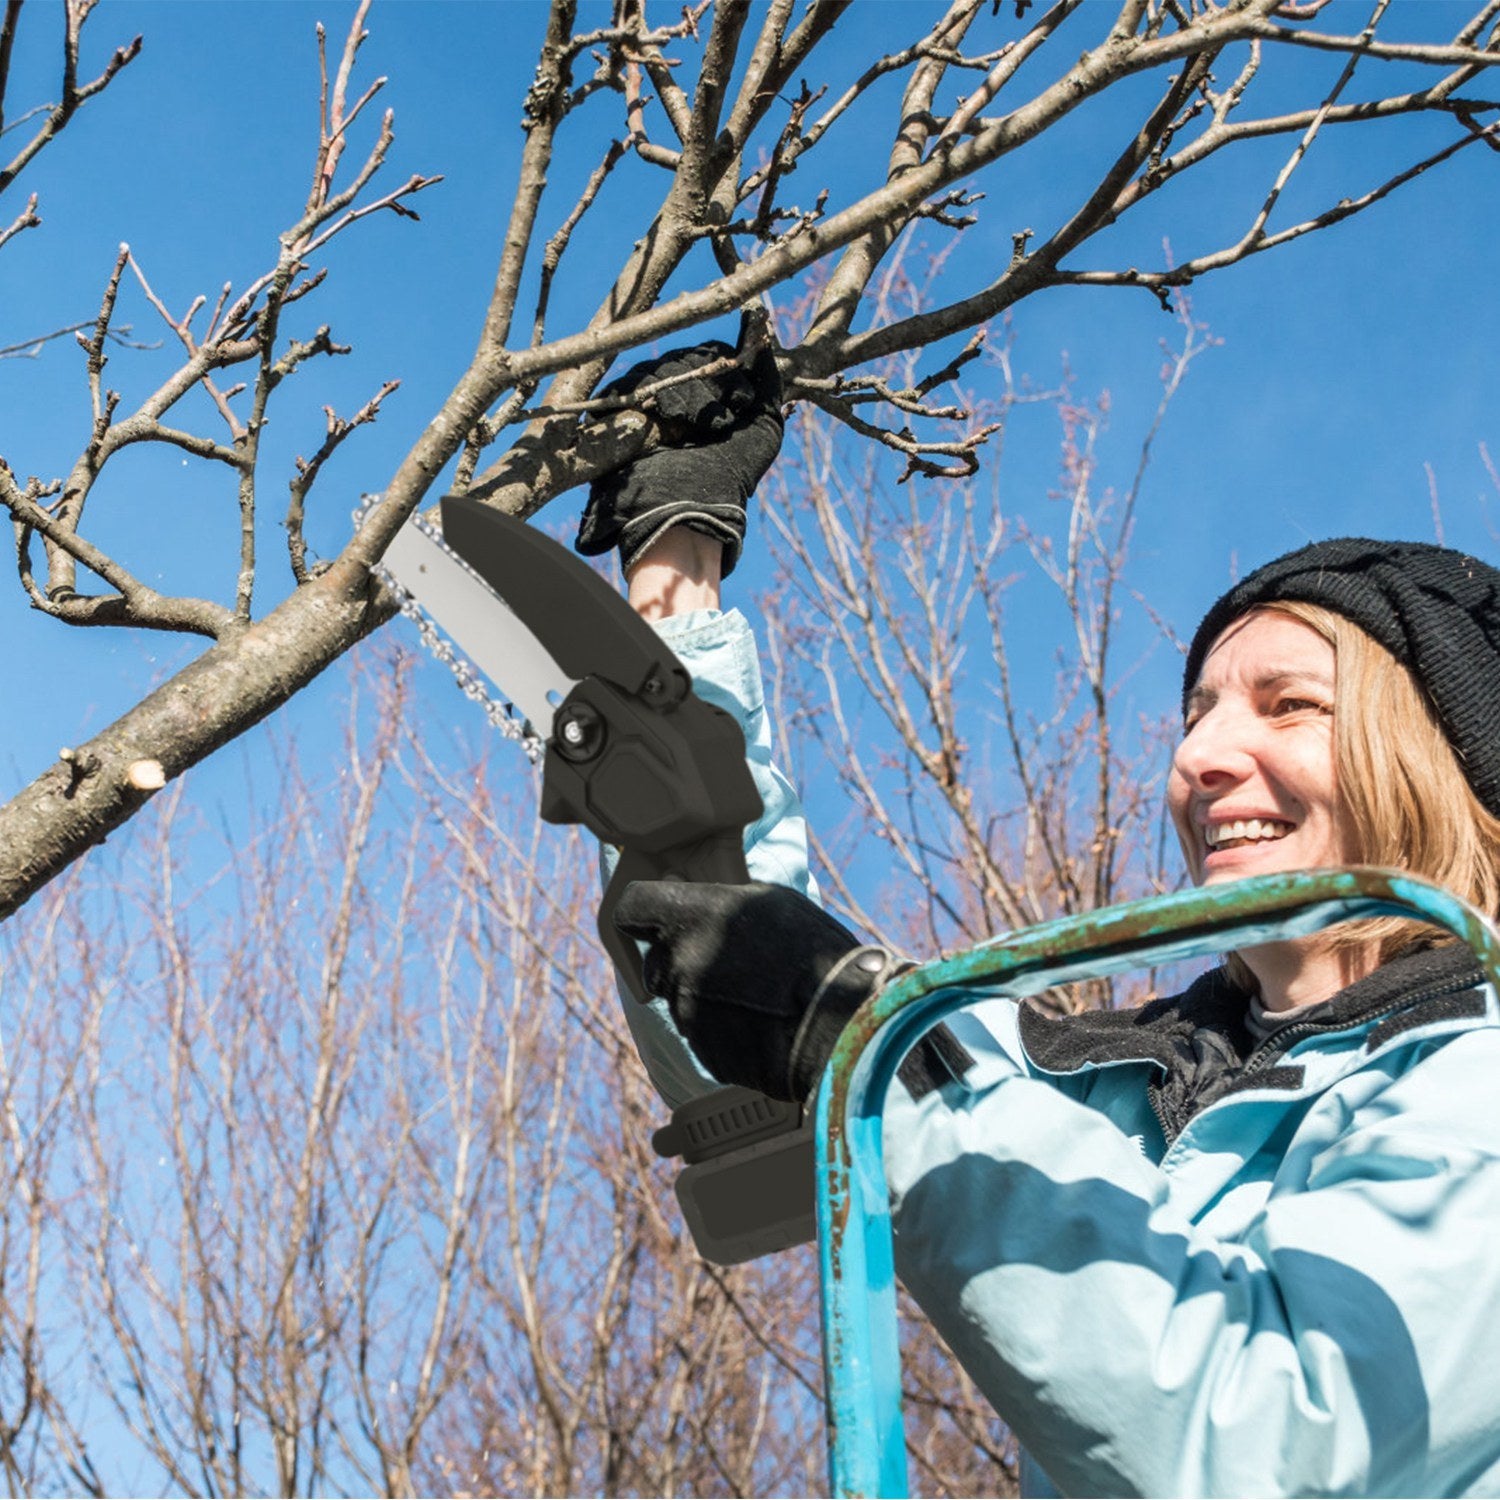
1349 361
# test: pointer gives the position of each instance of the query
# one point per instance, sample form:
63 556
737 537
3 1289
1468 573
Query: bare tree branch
522 423
74 94
30 348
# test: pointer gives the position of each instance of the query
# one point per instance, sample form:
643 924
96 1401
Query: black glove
722 432
759 979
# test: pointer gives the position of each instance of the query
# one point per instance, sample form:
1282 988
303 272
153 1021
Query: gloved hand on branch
759 979
722 433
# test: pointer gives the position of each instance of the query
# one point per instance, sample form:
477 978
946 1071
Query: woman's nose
1216 751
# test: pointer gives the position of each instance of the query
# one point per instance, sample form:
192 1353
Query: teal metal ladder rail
861 1356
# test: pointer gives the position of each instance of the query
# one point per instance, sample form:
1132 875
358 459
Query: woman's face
1252 789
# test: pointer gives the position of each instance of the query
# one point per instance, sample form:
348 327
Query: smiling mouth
1243 832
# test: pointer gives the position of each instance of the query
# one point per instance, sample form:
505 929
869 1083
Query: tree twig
338 428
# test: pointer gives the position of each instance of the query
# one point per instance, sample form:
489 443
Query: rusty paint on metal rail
866 1441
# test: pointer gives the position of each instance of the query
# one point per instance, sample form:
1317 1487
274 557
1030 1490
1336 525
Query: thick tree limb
214 700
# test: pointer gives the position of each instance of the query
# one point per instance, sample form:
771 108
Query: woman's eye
1301 705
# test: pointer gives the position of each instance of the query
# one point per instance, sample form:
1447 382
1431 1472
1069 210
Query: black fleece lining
1287 1076
1200 1041
1460 1007
1151 1033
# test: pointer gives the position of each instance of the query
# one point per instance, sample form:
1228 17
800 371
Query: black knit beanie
1436 611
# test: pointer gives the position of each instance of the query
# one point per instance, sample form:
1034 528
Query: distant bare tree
339 1181
716 112
54 1003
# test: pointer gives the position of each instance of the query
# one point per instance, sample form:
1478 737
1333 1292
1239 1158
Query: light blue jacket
1299 1293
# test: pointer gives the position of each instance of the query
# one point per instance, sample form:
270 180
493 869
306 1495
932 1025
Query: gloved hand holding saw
759 979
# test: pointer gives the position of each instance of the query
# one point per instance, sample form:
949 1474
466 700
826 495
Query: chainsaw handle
747 1188
718 859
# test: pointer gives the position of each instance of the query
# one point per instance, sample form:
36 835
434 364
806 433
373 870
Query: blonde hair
1407 802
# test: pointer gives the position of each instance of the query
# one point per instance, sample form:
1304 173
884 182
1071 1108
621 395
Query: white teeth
1244 828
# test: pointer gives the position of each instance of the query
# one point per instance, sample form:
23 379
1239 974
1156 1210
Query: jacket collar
1200 1041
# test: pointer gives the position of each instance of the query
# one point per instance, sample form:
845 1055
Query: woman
1239 1241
